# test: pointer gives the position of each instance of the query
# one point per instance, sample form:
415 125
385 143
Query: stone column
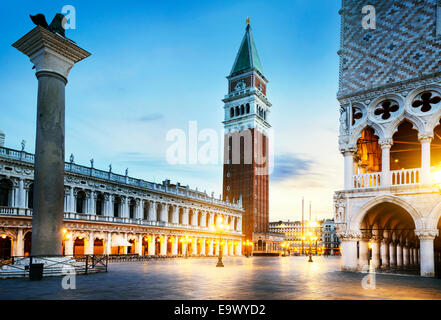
239 249
139 245
203 247
385 253
124 207
89 243
204 219
427 259
164 212
109 243
53 57
185 216
175 246
425 141
363 244
107 205
68 250
210 247
92 202
194 218
385 162
18 246
152 245
393 254
348 260
194 247
175 215
231 253
399 254
349 168
405 255
211 220
22 195
163 246
239 224
71 202
152 212
376 241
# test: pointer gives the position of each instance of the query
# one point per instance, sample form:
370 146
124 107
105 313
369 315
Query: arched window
146 210
81 201
31 196
242 110
231 112
132 208
170 213
248 108
237 111
99 204
264 115
116 206
5 192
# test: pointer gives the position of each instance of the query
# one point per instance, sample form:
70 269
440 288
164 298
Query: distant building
329 238
297 238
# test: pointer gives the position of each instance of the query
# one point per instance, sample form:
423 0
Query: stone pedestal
349 254
53 57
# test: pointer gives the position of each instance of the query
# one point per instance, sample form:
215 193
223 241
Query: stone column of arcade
53 57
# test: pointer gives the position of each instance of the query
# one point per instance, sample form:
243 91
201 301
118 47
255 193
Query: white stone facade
388 214
158 219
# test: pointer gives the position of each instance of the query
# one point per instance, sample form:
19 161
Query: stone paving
241 278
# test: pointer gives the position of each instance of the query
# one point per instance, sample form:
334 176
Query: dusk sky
156 65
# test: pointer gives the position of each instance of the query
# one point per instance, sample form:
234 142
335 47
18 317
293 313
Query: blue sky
155 66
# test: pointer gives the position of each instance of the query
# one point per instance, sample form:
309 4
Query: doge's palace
388 214
108 213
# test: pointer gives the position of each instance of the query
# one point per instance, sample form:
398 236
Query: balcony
404 177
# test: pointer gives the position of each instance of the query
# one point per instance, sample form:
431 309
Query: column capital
427 234
376 238
348 150
50 52
386 143
425 137
350 235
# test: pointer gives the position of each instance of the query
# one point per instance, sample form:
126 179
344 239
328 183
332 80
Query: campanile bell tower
246 124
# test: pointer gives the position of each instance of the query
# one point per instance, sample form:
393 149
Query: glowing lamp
436 175
3 236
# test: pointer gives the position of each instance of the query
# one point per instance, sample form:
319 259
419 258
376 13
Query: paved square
241 278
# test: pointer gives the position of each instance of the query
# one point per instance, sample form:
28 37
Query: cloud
288 166
151 117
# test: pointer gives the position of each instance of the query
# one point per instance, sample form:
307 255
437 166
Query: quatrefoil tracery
386 108
427 100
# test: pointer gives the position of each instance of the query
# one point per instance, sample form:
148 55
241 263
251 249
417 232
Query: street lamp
221 228
248 244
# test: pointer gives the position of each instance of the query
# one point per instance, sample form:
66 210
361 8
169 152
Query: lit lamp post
248 244
221 228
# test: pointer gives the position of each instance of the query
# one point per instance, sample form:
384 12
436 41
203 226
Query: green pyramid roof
247 57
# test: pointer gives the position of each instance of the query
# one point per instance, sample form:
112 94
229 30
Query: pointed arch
417 124
358 131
